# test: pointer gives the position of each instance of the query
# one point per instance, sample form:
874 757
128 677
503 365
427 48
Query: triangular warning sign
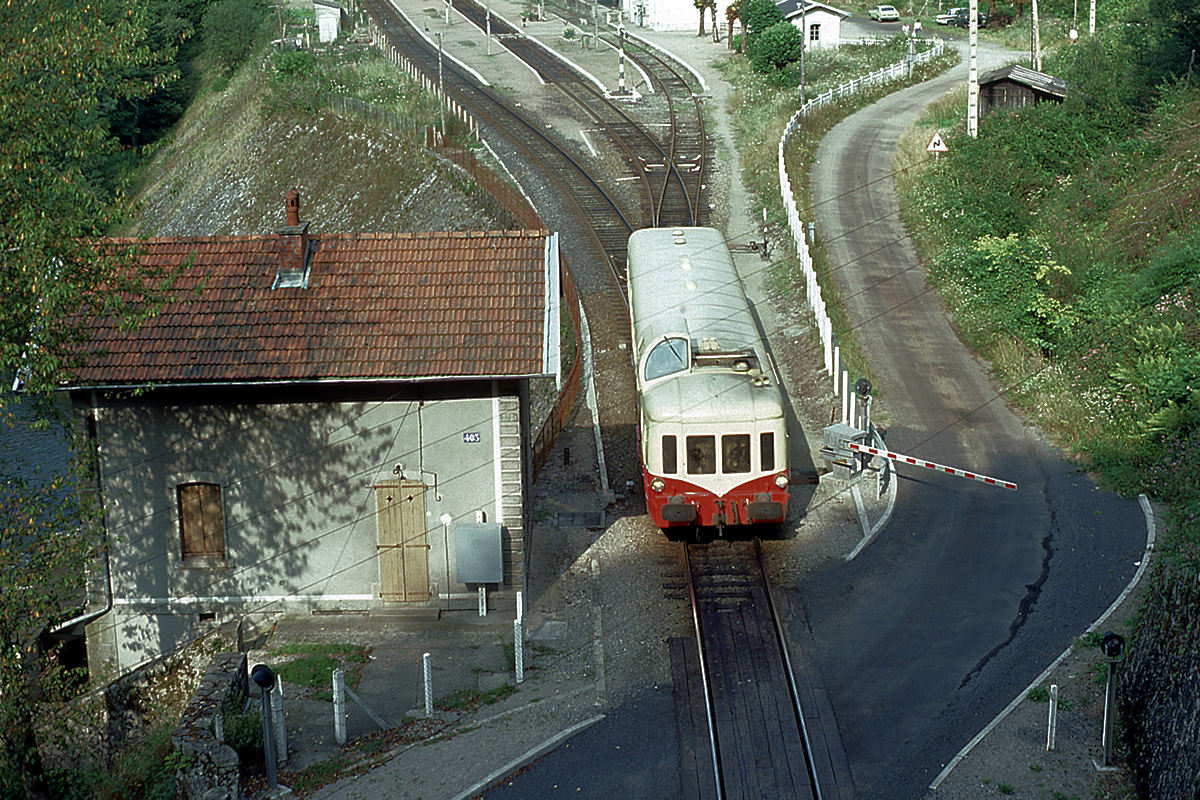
936 145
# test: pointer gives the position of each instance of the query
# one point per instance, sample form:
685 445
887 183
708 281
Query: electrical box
842 461
479 552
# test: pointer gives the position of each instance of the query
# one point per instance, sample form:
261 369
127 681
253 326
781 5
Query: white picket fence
834 366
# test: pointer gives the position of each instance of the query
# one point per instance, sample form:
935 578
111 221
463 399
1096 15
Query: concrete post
339 706
519 649
427 669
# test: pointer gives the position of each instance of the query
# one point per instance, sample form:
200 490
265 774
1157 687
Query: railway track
668 160
751 740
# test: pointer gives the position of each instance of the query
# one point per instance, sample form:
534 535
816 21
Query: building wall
299 500
828 27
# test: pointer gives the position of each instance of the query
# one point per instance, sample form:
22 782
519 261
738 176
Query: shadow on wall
285 511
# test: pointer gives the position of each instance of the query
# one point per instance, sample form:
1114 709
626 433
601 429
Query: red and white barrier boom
917 462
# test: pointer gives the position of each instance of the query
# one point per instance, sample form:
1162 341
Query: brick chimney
295 250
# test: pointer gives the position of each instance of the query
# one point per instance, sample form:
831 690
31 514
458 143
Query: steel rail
593 206
670 84
709 702
626 132
791 675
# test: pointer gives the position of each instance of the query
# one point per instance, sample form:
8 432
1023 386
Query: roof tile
379 306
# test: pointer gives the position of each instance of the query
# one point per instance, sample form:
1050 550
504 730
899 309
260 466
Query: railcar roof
702 397
687 284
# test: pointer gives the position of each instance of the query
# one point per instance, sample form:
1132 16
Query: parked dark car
963 19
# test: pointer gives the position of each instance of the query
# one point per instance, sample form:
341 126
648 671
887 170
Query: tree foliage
231 29
63 64
59 61
776 47
758 15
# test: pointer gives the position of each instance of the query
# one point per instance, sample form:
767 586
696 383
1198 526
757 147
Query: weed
1038 694
470 699
1005 788
317 775
1036 767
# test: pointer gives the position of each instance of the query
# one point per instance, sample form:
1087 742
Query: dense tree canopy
64 66
61 61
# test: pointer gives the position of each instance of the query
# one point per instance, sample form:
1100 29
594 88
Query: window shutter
201 521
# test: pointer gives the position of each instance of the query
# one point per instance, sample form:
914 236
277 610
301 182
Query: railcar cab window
766 443
702 455
668 357
735 453
670 456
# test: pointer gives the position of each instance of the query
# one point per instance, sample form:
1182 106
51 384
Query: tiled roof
377 306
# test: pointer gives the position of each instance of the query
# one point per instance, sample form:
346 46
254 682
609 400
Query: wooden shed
1015 87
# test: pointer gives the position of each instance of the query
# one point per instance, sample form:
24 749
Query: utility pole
803 47
973 71
1035 53
621 90
489 27
441 84
1092 18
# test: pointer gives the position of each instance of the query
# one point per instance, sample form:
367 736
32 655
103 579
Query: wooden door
403 550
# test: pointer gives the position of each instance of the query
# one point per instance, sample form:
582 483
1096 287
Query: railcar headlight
658 484
781 480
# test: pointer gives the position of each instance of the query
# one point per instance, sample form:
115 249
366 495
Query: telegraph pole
1035 53
1092 18
973 71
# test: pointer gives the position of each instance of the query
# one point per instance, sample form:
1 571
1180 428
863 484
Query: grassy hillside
267 129
1065 240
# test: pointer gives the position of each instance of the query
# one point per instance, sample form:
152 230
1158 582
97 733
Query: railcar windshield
668 357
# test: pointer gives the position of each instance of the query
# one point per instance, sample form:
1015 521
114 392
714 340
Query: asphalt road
971 590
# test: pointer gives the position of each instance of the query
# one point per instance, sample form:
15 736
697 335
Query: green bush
243 731
776 47
1008 286
231 29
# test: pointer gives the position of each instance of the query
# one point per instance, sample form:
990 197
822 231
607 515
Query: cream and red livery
712 429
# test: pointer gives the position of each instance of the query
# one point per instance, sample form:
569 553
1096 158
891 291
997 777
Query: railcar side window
670 455
668 357
735 452
701 455
766 455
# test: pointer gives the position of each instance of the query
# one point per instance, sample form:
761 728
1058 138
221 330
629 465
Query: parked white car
948 17
884 14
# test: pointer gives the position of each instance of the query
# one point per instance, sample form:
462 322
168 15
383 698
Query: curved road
971 591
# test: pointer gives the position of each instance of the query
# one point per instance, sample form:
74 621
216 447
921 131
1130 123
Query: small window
668 357
814 32
201 520
702 455
766 454
670 455
735 453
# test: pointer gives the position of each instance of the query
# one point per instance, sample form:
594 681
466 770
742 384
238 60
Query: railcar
712 429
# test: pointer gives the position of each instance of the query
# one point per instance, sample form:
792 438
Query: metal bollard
427 666
277 717
339 706
519 649
1052 723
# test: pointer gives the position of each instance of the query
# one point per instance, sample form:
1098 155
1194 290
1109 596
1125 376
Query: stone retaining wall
212 771
1160 689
